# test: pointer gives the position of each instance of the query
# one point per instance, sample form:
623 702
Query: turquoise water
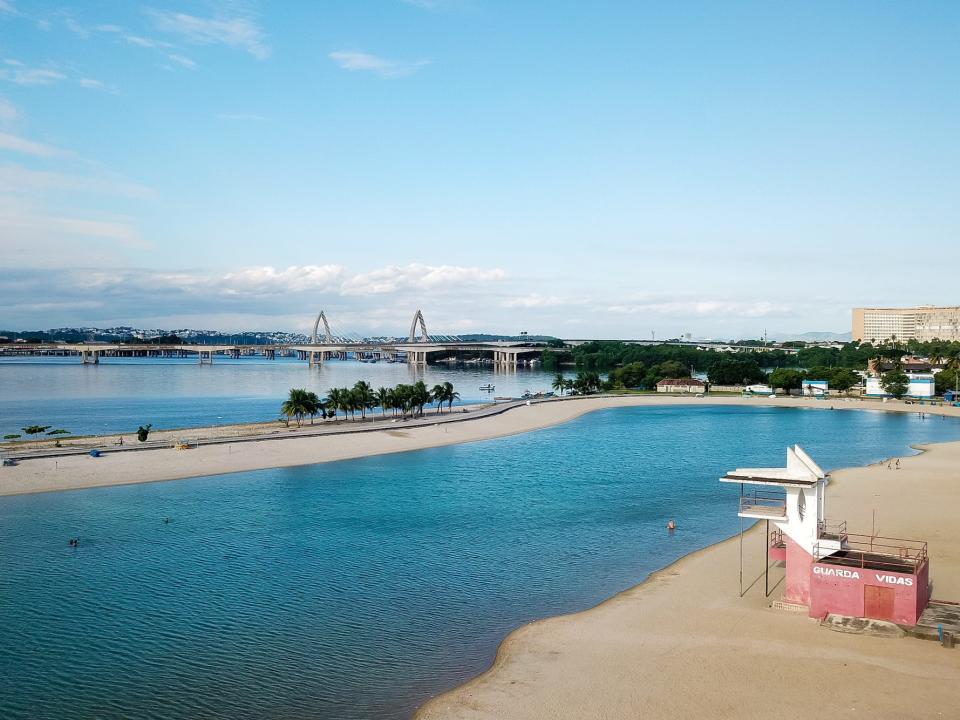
359 589
120 394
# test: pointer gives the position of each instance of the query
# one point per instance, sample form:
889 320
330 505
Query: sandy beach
265 445
682 644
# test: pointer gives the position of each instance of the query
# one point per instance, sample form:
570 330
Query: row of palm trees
584 384
407 399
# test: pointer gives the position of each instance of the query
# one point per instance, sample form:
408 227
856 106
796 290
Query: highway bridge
416 349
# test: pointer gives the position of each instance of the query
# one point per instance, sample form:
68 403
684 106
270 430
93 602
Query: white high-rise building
923 323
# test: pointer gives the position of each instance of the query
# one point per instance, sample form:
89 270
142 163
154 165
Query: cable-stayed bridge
324 344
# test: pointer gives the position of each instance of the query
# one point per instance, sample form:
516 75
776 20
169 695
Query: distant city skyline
609 169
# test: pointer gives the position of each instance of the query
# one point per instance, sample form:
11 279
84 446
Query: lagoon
358 589
120 394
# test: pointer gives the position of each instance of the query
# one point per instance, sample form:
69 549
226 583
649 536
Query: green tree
842 379
559 383
450 395
335 400
734 371
946 379
786 379
896 383
36 429
383 400
419 396
439 394
630 375
143 432
364 397
313 405
297 405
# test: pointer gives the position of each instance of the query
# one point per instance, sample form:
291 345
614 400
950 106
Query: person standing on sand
120 442
898 463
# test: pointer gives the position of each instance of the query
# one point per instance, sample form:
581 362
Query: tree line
410 400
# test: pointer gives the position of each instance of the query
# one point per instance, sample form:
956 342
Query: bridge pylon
418 317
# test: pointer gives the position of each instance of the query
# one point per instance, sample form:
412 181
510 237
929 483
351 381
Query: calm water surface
359 589
120 394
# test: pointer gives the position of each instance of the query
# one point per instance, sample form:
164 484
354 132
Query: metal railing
875 552
764 503
832 530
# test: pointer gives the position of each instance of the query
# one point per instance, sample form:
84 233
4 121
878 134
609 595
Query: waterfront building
815 388
923 323
828 570
920 386
681 385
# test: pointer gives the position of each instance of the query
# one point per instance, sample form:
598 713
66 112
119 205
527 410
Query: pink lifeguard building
829 570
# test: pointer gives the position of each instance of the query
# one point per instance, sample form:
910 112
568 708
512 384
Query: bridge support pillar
315 357
505 359
90 357
209 358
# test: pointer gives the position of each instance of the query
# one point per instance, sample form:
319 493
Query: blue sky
603 169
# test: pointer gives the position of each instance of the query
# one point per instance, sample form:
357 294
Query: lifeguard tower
828 570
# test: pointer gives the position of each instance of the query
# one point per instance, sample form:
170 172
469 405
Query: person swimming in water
671 526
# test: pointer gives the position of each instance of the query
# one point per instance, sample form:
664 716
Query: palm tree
335 400
559 383
450 395
296 405
439 393
383 400
364 396
420 396
393 400
312 404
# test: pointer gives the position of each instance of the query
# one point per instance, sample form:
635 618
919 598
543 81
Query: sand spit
229 449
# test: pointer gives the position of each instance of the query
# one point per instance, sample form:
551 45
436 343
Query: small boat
488 387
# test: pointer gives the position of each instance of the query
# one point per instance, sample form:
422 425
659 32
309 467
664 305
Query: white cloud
535 300
6 7
21 228
75 27
355 60
702 308
182 61
268 280
18 179
18 73
415 276
92 84
238 32
8 113
140 41
18 144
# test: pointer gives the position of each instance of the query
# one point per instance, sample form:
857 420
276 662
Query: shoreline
215 451
574 665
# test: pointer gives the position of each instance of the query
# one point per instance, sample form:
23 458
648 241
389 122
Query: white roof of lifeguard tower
801 470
